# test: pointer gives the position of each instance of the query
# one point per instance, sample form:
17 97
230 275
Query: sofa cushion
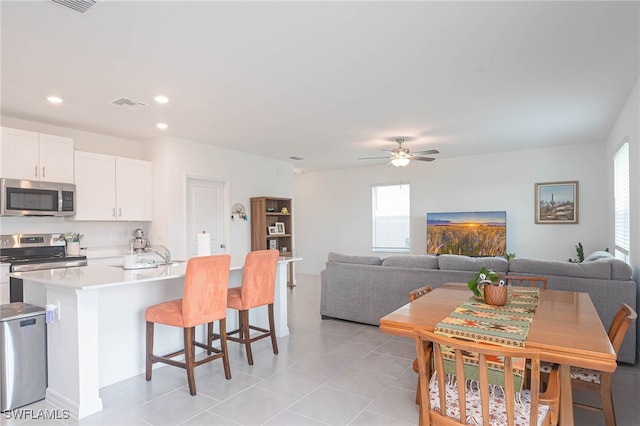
456 262
422 261
601 254
597 269
362 260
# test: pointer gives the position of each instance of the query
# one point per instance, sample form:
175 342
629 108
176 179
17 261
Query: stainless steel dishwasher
23 355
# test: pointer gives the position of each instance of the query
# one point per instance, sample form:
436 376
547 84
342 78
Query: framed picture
557 202
280 228
272 230
273 245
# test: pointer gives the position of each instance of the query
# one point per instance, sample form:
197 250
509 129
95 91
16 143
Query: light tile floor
328 372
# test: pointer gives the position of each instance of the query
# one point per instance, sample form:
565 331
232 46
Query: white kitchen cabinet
112 188
36 156
134 182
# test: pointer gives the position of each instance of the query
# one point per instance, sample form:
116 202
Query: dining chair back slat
525 281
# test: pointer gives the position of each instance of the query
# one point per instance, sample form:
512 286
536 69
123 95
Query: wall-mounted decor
467 233
280 228
239 211
557 202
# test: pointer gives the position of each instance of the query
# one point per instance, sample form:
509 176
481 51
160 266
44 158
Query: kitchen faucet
166 255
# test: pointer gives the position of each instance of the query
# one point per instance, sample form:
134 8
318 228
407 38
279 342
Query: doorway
207 202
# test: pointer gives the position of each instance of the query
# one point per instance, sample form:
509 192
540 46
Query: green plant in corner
579 252
484 276
71 237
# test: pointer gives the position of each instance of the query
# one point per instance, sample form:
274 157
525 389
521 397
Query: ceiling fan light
400 161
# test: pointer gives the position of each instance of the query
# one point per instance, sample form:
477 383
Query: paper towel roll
204 244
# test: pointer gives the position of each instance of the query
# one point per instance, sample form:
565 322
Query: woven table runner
506 325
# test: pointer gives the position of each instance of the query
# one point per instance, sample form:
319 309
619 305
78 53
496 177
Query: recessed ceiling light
162 126
54 99
161 99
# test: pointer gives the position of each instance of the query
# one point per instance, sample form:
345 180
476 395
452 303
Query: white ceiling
327 81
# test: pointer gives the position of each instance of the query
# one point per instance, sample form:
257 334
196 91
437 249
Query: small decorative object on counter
72 240
284 210
139 242
204 244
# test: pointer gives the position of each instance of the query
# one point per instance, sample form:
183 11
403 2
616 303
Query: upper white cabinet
112 188
35 156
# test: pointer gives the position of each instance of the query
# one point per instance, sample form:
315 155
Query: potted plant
72 240
486 284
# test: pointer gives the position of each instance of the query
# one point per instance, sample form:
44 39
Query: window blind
621 202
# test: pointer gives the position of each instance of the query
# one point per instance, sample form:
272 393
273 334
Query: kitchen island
97 337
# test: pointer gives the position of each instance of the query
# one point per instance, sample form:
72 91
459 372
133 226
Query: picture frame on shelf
280 228
273 244
272 230
556 202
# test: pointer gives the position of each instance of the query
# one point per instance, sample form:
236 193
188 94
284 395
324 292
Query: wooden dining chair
600 381
459 401
413 295
419 292
525 281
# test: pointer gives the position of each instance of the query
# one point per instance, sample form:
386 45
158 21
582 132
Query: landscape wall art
467 233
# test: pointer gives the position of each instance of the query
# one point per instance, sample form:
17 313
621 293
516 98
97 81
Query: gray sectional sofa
366 288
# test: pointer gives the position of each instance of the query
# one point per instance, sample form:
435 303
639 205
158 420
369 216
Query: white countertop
102 276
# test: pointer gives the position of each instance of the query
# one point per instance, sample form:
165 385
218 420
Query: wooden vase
494 295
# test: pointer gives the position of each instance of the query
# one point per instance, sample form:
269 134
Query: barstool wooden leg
240 325
223 348
149 363
210 336
246 335
189 355
272 330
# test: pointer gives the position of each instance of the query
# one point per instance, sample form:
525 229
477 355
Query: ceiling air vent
128 103
78 5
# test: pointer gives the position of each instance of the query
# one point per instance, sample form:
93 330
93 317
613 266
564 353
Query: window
621 202
391 218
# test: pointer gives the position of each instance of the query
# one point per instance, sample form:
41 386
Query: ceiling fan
400 156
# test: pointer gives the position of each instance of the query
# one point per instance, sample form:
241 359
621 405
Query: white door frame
226 210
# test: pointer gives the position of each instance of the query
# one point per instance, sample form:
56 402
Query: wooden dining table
566 329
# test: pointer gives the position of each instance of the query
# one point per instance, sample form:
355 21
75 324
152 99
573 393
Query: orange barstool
258 288
204 300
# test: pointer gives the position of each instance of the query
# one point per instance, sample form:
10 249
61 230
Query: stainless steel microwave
36 198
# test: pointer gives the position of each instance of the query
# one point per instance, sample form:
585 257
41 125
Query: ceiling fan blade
422 158
373 158
429 151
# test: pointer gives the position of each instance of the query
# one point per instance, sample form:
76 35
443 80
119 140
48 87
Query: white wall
248 175
333 208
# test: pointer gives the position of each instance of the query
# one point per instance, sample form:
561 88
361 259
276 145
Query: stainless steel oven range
33 252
